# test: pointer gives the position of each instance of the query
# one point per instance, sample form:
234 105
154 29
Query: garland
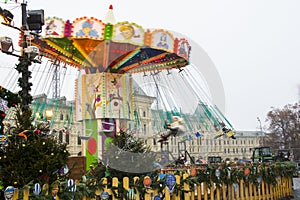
230 174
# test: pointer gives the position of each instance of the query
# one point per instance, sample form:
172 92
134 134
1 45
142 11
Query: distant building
204 146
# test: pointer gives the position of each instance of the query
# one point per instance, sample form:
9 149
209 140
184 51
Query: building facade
68 131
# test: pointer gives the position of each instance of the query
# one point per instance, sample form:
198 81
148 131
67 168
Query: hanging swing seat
87 137
104 131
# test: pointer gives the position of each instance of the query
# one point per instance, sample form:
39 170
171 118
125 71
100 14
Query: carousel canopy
121 47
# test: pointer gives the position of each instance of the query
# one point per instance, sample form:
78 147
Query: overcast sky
253 44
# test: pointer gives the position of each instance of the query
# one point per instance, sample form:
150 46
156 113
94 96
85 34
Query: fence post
177 197
205 191
218 193
26 193
115 184
268 191
135 179
225 189
212 190
167 194
126 183
16 194
290 186
186 187
263 192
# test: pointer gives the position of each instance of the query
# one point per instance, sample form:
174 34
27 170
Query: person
87 30
182 51
163 41
181 160
51 28
175 128
127 31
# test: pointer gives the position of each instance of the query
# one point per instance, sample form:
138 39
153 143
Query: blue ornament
104 195
37 189
157 198
9 193
170 182
71 185
218 173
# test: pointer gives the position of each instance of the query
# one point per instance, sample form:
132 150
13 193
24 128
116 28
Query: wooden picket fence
240 191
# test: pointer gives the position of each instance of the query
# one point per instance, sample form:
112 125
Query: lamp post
261 133
31 21
25 62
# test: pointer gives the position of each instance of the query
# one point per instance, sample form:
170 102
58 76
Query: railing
190 185
241 191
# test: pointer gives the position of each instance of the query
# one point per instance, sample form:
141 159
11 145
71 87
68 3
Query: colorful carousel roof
121 47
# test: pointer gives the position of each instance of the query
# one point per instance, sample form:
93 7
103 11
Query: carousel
130 78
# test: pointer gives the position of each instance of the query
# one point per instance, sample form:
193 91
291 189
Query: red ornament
193 172
147 181
37 131
246 171
92 146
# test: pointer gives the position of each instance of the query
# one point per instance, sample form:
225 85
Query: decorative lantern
259 179
246 172
71 185
278 179
229 172
235 186
104 195
131 194
54 190
157 198
218 173
170 182
147 181
37 189
9 193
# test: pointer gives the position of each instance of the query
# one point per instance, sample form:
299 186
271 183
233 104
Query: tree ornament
9 193
259 179
218 173
104 196
246 172
37 189
170 182
147 181
193 172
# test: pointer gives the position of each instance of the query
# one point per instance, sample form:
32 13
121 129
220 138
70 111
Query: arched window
68 138
60 136
78 140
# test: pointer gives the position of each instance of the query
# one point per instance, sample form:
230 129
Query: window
144 113
61 116
224 150
60 136
145 129
68 138
78 141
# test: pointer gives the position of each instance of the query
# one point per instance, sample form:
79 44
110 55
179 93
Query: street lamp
261 133
31 21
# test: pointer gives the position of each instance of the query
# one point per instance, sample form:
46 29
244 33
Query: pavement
296 188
